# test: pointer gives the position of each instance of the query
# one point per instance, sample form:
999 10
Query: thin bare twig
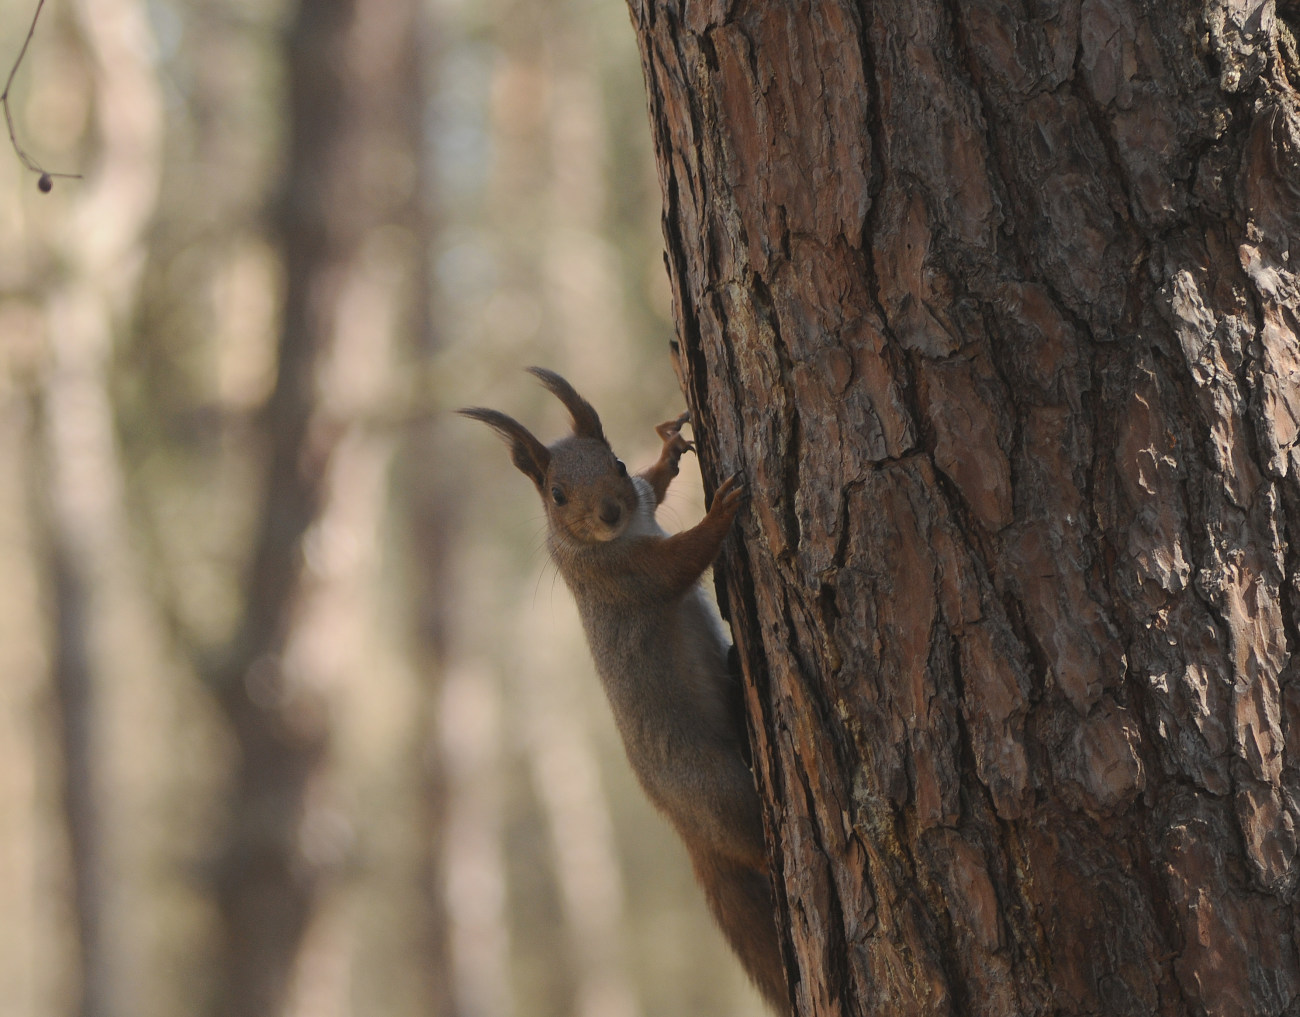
46 180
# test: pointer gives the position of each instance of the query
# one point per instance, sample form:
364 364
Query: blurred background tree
263 747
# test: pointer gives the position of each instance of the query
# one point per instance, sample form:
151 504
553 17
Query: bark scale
993 305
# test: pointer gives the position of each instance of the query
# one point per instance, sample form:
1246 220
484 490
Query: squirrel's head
588 495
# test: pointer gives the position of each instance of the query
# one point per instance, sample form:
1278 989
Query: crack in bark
766 314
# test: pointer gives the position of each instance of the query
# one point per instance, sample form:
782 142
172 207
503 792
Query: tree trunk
82 537
64 566
353 116
992 305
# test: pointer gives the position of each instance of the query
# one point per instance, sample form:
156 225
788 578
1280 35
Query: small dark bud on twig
46 180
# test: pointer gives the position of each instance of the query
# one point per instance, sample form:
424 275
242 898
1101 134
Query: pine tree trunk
353 110
992 305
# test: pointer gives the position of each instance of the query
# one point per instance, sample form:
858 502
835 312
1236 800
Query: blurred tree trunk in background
993 306
353 154
428 511
64 563
90 585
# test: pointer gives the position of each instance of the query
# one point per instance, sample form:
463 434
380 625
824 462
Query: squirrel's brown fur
661 653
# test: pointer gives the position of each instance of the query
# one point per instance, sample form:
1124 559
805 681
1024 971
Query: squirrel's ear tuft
586 424
526 452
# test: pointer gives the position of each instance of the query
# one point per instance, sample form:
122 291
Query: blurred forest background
294 715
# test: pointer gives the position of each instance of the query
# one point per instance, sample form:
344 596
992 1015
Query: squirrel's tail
741 901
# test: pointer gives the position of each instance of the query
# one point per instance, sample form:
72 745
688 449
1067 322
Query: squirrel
662 656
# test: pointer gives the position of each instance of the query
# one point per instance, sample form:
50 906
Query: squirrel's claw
670 432
670 429
730 494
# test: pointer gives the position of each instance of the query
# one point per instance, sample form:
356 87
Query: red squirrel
661 653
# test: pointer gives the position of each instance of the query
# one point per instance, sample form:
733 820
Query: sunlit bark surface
992 304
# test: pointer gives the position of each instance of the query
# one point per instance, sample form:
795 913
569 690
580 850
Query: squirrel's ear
586 424
526 452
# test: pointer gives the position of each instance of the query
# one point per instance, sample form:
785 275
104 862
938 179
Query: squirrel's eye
557 496
622 470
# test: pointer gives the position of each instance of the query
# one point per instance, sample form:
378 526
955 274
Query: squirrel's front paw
729 496
670 431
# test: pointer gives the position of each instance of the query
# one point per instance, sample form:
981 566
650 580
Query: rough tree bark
992 304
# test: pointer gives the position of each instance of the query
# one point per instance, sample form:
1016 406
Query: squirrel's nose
610 512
